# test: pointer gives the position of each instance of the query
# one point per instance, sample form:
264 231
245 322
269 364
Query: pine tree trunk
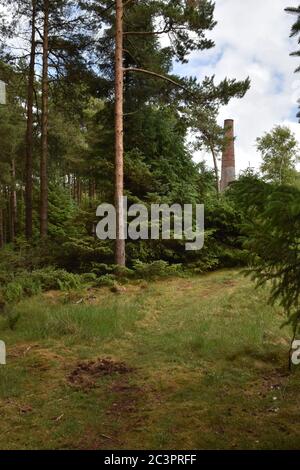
6 216
78 191
44 156
1 229
1 221
216 168
74 186
13 202
29 131
119 145
92 190
70 185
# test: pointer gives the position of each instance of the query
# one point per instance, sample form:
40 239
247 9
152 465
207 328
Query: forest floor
184 363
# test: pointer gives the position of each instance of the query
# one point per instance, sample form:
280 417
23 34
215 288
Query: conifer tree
295 31
186 24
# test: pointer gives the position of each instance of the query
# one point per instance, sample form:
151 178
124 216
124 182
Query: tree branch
126 3
157 75
146 33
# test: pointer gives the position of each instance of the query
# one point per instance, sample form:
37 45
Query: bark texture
119 137
29 130
44 155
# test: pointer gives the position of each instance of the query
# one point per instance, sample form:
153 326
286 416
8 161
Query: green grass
209 369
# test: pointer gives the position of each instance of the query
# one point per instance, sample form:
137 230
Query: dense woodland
63 151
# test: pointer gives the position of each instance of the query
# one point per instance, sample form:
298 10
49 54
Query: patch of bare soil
230 283
22 408
85 374
125 411
21 350
274 380
186 286
127 398
271 389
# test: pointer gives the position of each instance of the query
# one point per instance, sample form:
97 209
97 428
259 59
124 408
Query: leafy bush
202 266
13 292
89 277
122 271
102 269
84 255
156 269
108 280
26 284
51 278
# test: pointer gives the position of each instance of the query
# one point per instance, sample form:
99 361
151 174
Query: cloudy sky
252 38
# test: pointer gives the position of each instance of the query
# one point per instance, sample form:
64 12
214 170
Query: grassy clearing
208 359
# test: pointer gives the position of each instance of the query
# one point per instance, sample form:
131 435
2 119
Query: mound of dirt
85 374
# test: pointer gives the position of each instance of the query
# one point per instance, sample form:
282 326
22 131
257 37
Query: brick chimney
228 157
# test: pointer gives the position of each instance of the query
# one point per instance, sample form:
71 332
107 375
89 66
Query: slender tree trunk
13 202
10 229
29 131
74 185
21 208
44 156
216 168
94 189
70 185
1 221
6 216
119 137
78 191
91 191
1 229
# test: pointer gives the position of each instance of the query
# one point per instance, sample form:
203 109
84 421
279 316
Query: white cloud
252 39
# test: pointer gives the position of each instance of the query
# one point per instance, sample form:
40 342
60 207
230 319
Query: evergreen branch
147 33
157 75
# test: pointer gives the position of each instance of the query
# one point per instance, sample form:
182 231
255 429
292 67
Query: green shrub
205 265
122 271
156 269
12 317
108 280
100 269
26 284
89 277
13 292
51 278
